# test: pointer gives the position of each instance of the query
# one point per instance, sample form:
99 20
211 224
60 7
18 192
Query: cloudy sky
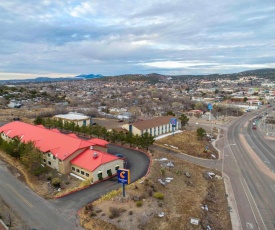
111 37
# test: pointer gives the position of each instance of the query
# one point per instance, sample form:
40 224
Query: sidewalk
234 214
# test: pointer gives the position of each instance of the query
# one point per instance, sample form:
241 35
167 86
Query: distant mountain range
50 79
153 76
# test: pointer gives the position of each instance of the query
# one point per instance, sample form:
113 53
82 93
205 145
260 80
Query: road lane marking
21 197
249 225
273 187
255 204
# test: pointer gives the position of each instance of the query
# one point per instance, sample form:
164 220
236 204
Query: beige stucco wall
65 166
79 122
158 132
84 176
110 165
100 148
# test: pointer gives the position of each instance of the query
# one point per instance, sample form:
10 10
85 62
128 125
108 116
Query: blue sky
111 37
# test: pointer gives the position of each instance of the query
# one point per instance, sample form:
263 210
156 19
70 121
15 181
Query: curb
234 214
138 150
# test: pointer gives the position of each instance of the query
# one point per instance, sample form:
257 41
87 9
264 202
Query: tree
201 133
170 113
33 161
38 121
183 120
245 99
146 140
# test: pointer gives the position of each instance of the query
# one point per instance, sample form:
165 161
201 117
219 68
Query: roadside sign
209 106
123 176
173 122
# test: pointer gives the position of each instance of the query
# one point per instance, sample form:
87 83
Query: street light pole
223 156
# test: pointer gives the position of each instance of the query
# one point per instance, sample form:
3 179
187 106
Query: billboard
123 176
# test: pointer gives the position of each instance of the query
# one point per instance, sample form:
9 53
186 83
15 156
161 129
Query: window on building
77 170
44 160
87 174
60 160
49 162
109 172
82 172
100 177
73 168
49 154
54 157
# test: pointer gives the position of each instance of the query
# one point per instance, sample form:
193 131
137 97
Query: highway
254 191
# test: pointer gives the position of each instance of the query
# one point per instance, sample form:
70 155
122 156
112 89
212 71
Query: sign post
123 177
173 122
210 107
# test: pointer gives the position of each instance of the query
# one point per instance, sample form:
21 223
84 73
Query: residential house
78 118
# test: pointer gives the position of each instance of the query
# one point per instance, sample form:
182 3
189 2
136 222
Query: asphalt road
138 163
37 212
61 213
254 191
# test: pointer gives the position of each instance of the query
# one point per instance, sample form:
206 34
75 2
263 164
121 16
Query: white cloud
118 36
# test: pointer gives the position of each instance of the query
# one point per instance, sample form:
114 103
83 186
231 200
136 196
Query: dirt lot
187 142
183 199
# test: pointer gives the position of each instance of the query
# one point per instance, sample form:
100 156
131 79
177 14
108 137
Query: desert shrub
130 212
56 182
146 182
49 176
89 207
162 171
113 212
150 192
92 214
159 196
122 210
98 211
139 203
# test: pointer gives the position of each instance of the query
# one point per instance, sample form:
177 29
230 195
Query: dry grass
187 143
183 198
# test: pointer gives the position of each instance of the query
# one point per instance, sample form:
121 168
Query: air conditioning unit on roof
95 155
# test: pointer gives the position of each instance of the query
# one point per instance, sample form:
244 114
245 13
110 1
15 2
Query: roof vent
91 147
95 155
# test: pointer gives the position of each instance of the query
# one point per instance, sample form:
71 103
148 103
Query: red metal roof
61 145
86 159
98 141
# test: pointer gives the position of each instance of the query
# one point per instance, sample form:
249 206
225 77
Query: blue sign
123 176
173 121
209 106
